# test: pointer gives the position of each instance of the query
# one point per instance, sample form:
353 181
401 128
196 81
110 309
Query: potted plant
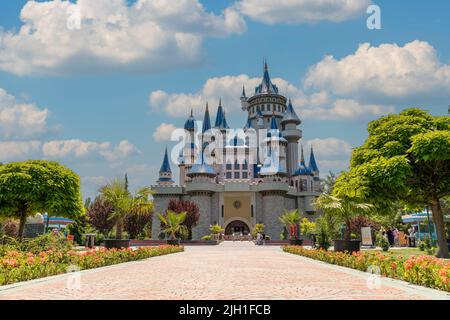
291 220
173 226
343 208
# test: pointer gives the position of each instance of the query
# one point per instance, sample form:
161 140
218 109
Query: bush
323 235
19 266
427 271
258 228
10 228
207 237
382 242
45 242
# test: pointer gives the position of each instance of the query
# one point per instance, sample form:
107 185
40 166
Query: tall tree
192 213
99 213
405 158
141 213
29 187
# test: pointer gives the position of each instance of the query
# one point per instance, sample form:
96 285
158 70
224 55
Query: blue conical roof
312 162
302 169
290 115
266 85
221 121
243 92
190 122
165 167
206 120
248 124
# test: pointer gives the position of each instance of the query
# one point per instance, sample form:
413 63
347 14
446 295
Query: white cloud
163 132
20 120
318 105
301 11
76 148
329 147
334 166
346 109
60 37
388 70
18 150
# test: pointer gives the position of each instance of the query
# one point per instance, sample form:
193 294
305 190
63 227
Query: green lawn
405 252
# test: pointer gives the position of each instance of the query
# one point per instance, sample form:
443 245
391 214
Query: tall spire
165 167
243 92
266 85
312 161
190 122
206 120
302 158
219 115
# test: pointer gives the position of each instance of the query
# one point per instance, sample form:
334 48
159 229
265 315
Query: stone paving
232 270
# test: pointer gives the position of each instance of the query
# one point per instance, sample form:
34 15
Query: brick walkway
228 271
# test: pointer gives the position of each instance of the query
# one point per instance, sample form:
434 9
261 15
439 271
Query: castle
242 183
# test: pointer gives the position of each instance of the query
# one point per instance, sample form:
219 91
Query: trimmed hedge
424 270
16 266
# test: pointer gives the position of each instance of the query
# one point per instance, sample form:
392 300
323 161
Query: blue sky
77 108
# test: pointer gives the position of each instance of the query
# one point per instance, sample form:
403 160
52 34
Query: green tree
125 203
29 187
343 209
405 158
173 223
258 228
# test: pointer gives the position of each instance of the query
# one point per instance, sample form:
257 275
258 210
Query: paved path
228 271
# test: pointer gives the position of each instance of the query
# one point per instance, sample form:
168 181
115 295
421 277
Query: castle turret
165 173
244 99
289 122
312 163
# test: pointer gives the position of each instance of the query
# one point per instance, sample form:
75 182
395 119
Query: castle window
237 175
236 166
229 167
263 108
245 166
244 175
228 175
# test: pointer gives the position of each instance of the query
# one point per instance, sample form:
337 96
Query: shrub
10 228
207 237
323 235
22 266
258 228
382 242
427 271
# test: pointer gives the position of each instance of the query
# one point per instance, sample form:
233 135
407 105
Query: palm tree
116 193
344 209
290 219
173 223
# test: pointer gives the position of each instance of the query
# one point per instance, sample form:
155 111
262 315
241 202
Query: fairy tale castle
244 188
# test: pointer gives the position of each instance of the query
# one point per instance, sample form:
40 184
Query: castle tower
275 144
265 102
165 173
290 132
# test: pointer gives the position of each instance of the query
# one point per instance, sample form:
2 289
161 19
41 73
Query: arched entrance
237 226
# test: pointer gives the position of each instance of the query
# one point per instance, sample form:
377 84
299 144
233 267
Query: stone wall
203 200
273 207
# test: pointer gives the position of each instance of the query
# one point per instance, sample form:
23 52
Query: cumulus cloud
388 70
75 148
301 11
18 150
163 132
317 105
20 120
327 147
60 37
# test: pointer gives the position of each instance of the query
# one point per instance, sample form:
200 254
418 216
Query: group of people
393 236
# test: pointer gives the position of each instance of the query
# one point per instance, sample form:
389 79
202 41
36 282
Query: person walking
390 236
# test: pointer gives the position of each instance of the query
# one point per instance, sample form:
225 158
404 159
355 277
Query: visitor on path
259 239
396 237
390 236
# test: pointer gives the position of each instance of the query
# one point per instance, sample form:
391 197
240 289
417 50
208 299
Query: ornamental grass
17 266
427 271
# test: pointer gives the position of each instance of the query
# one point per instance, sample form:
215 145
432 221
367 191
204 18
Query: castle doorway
237 227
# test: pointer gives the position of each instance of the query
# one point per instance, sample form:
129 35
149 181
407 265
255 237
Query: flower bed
426 271
16 266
